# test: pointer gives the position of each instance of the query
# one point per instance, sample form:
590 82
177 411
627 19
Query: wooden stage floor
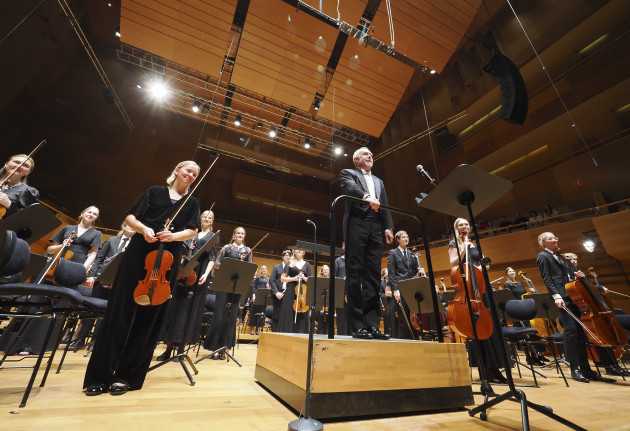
227 397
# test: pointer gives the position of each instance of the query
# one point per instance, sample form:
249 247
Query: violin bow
252 249
167 224
588 331
37 148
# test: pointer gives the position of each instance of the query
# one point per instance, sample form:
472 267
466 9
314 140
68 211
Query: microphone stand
306 423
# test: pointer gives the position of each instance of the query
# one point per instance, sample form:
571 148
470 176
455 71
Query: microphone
420 169
310 221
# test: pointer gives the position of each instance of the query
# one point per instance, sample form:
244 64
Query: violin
597 319
457 314
299 303
187 281
62 253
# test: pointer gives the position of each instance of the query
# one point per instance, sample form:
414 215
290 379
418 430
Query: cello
597 319
458 314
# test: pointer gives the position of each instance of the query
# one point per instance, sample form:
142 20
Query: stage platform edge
352 377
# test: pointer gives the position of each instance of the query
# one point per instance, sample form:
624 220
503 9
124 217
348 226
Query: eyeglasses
552 238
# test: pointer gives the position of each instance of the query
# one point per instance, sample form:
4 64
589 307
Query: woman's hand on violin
5 201
397 295
560 302
149 235
89 282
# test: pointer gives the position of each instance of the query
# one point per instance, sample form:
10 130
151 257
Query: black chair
521 310
27 301
211 299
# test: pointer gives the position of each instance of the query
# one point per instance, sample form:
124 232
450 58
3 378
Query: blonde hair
171 177
87 208
4 172
541 237
293 259
570 256
122 229
321 270
460 242
207 212
234 233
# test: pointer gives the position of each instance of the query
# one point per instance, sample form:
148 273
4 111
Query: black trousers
574 338
364 244
275 317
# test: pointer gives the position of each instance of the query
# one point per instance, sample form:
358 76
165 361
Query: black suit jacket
353 184
399 268
340 267
554 274
109 249
274 279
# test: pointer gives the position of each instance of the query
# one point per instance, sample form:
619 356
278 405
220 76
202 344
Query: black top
234 252
81 245
473 253
517 288
259 282
156 205
20 196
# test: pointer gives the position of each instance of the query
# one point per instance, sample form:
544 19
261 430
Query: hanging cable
391 21
33 10
573 122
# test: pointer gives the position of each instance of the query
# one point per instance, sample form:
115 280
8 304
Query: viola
62 253
155 289
188 280
457 314
596 317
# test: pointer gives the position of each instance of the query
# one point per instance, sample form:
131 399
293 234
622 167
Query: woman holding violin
87 242
488 347
293 316
15 193
226 309
129 332
184 311
556 275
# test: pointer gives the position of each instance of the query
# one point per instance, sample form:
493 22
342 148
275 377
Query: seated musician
556 275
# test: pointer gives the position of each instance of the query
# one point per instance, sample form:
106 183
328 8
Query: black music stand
262 298
418 290
106 277
35 266
194 261
235 277
31 224
464 192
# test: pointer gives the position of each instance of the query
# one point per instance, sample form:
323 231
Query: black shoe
164 356
617 371
578 376
76 345
376 334
362 333
592 375
118 388
94 390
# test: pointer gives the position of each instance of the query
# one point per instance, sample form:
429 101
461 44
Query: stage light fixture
307 143
590 240
139 84
272 132
432 72
338 150
158 90
237 120
117 34
317 104
196 106
205 109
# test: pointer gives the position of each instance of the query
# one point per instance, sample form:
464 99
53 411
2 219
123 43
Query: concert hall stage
352 377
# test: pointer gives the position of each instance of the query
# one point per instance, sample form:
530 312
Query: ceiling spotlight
307 143
205 109
139 84
117 34
158 90
272 132
237 120
338 150
317 104
589 245
196 106
432 72
589 240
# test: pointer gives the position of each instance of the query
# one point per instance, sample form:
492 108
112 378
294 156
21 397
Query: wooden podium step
352 377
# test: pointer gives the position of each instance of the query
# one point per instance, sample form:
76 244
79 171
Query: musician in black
124 348
16 194
402 265
278 288
556 275
256 312
341 313
365 226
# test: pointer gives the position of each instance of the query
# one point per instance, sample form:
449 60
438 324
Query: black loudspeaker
514 98
444 139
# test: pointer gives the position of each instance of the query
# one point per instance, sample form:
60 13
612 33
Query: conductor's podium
352 377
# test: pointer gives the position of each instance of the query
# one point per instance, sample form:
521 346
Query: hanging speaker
514 100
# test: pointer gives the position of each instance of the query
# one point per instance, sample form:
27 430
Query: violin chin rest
142 300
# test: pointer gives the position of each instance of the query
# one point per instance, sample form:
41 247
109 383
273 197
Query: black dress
184 310
256 313
81 245
20 196
517 288
287 315
226 308
125 345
